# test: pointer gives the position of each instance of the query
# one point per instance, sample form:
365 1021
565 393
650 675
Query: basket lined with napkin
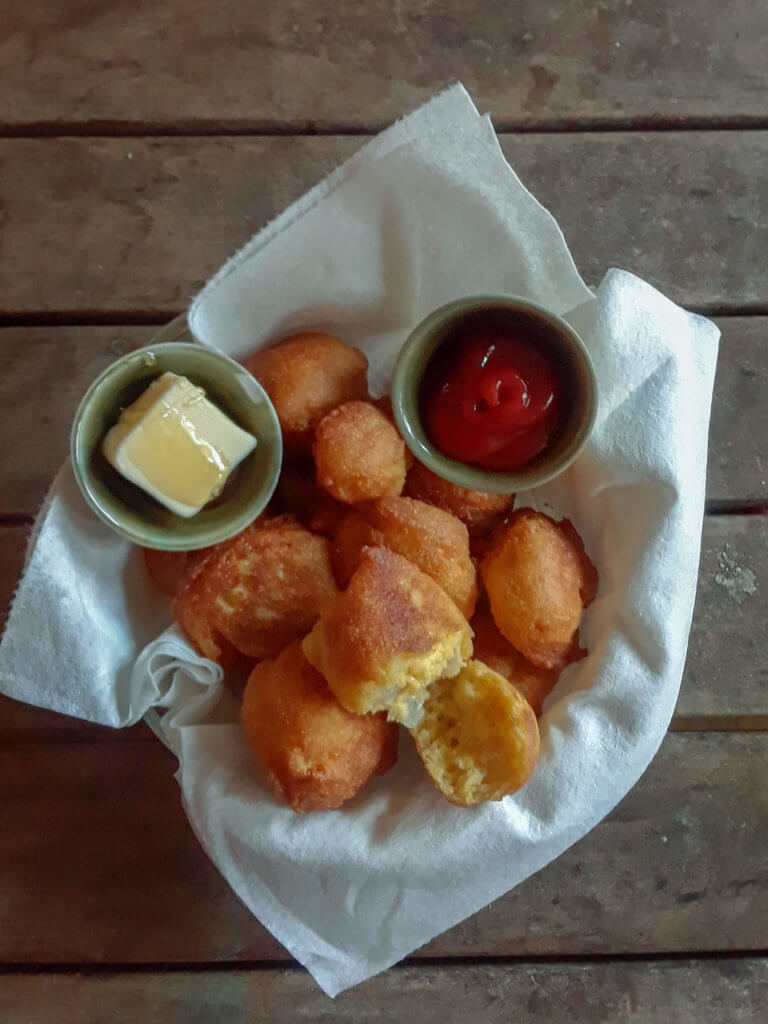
427 212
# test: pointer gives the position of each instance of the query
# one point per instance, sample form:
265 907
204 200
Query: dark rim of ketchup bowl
547 330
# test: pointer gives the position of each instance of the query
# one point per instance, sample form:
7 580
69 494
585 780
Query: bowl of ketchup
494 393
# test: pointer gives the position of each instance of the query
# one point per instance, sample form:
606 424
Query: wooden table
141 144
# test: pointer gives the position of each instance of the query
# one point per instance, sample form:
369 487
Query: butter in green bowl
130 510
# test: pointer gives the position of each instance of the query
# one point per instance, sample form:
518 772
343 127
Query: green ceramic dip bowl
127 508
551 332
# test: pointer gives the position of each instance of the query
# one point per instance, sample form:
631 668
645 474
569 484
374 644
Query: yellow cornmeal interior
404 684
469 739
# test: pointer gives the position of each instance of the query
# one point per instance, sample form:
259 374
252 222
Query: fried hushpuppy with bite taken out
306 375
479 511
359 455
256 592
384 640
314 754
435 541
478 739
495 651
539 579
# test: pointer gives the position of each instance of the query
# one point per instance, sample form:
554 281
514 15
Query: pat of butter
176 445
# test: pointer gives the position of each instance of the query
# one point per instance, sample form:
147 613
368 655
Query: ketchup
492 398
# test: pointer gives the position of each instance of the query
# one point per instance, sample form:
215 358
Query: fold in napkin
427 212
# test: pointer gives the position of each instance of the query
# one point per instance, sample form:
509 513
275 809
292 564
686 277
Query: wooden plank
274 64
727 668
738 435
133 240
97 865
688 992
654 205
13 545
144 222
23 723
728 630
44 372
41 403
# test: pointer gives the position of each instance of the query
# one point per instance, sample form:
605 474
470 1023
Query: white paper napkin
429 211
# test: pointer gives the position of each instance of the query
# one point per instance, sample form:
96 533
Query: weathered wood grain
23 723
13 545
125 225
41 403
303 64
97 865
688 992
684 211
725 675
727 667
144 222
44 373
738 434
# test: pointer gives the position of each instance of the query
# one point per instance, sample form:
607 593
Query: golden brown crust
535 576
589 576
387 637
359 454
306 375
479 511
433 540
256 592
314 754
495 651
478 738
